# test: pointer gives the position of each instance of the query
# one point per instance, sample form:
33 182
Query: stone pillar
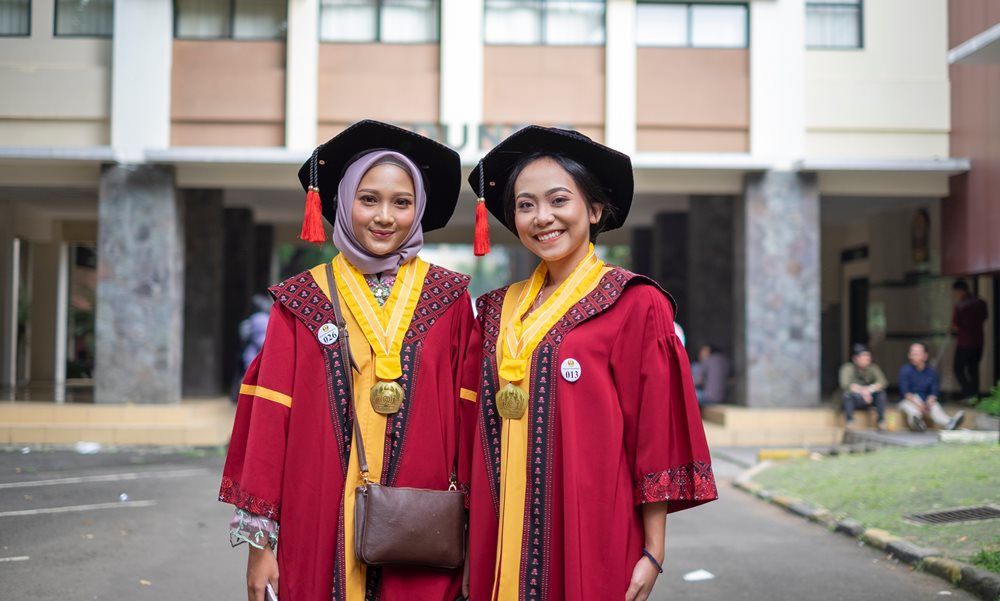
778 290
263 267
140 286
238 278
8 300
710 273
642 250
203 284
670 258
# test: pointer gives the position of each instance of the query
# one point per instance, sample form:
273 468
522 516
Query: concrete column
302 74
142 56
778 288
140 286
9 262
642 250
710 273
522 262
238 278
777 81
49 298
620 76
461 91
670 263
203 282
264 274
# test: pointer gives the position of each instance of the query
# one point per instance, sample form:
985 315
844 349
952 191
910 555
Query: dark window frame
78 36
860 5
543 16
690 24
232 29
378 28
22 35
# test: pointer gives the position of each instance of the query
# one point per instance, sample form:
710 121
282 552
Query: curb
984 584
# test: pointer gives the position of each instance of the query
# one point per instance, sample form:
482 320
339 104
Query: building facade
797 163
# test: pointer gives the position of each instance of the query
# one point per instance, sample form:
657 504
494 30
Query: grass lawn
877 489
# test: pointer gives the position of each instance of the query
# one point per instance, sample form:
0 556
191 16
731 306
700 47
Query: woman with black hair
588 428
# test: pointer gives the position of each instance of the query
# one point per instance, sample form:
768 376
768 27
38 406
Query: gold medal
511 402
386 397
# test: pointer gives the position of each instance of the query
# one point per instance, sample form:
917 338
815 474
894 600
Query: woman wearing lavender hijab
293 467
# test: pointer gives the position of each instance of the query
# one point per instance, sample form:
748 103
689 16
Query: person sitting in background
710 374
864 386
918 384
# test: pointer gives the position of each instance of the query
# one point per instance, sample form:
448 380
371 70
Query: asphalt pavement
68 533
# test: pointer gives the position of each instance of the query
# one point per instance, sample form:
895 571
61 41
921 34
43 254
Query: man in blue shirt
918 384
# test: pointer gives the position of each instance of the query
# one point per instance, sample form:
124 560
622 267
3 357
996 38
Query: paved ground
168 540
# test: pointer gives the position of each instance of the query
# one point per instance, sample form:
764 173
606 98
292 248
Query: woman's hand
643 578
262 568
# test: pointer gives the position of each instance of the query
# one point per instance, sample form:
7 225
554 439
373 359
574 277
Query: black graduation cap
611 168
320 176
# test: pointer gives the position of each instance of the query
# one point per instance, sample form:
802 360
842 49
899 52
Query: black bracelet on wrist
650 557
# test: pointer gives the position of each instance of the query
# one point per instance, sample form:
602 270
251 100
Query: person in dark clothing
967 325
864 386
918 384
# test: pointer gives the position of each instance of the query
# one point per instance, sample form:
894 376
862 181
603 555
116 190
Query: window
564 22
714 25
92 18
15 17
392 21
230 19
834 24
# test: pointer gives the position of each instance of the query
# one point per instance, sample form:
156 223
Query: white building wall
54 91
889 99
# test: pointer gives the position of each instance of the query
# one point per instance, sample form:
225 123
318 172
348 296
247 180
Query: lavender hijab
343 230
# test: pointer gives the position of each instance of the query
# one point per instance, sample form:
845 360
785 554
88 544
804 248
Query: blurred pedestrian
918 385
711 375
863 385
967 320
251 331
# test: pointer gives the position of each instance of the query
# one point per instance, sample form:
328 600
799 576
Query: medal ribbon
522 337
384 327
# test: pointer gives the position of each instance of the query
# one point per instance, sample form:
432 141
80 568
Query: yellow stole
523 335
384 327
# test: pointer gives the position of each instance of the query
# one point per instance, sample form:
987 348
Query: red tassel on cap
312 223
481 238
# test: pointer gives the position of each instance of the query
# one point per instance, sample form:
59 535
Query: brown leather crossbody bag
395 525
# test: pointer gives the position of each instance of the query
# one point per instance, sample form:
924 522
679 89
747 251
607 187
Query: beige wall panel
391 82
665 139
228 93
544 84
47 132
693 87
227 134
876 144
897 83
63 91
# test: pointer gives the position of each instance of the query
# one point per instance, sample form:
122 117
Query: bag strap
345 349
